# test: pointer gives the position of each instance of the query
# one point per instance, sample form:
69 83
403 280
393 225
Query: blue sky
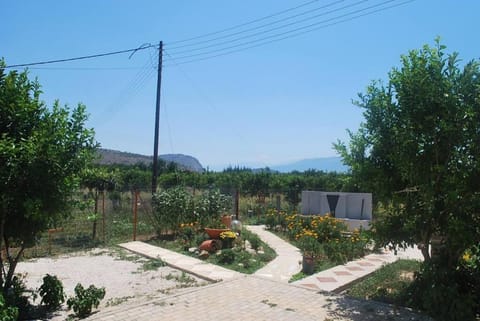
263 106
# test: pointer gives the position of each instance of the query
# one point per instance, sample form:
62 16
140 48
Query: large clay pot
210 246
214 233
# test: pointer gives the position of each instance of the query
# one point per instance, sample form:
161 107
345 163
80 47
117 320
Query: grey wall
349 205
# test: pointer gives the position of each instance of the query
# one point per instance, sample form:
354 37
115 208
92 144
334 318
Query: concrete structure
354 208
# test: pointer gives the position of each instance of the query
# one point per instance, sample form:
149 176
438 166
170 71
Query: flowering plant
307 242
228 235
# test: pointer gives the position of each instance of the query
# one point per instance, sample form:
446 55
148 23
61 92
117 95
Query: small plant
51 292
85 299
153 265
255 241
227 256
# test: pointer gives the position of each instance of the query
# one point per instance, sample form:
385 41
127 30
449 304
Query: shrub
444 294
85 299
7 313
210 205
171 208
51 292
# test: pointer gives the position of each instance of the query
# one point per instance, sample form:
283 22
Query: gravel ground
127 278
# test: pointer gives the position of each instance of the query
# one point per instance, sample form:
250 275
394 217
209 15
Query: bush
7 313
85 299
171 208
445 294
51 292
210 206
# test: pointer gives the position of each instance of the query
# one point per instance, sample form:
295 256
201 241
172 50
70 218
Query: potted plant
215 227
309 246
227 238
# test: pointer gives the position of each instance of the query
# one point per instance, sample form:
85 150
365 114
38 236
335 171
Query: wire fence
120 217
123 217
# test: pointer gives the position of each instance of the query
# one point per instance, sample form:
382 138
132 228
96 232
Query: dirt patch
127 278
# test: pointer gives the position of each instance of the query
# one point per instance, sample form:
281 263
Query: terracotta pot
214 233
210 246
227 220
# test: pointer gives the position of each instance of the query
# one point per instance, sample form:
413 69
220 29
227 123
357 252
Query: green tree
41 152
418 151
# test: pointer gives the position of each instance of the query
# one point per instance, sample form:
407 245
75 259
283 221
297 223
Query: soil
127 278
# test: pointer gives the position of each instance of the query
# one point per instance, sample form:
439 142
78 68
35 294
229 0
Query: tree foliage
418 151
42 150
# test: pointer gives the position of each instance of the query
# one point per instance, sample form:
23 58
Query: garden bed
247 253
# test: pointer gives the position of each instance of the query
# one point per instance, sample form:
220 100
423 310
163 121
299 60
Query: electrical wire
132 51
243 24
279 27
261 26
246 45
287 34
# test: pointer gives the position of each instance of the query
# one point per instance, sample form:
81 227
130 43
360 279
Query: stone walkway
251 298
265 295
287 262
204 270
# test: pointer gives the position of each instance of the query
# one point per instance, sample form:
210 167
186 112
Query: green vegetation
7 313
85 299
418 152
51 292
42 152
324 238
390 284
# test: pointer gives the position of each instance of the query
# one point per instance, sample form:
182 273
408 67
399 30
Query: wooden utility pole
157 120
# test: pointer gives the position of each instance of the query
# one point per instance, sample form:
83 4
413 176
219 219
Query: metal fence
120 217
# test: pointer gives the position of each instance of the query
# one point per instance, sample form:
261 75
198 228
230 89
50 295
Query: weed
116 301
153 265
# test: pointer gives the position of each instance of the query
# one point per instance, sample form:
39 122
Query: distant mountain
108 156
326 164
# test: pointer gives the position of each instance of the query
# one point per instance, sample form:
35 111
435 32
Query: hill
326 164
108 156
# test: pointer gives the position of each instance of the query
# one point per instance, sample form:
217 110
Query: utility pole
157 119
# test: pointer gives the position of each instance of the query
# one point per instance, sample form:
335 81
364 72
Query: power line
289 34
260 26
279 27
243 24
142 47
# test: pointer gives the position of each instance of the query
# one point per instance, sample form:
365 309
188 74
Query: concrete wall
355 206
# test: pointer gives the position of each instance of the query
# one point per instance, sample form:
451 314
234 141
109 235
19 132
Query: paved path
287 262
204 270
339 277
265 295
251 298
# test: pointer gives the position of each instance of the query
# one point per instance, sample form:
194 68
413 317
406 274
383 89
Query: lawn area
390 284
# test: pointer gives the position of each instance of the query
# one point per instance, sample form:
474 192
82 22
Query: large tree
42 151
418 151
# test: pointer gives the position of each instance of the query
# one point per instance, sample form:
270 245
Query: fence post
103 215
135 205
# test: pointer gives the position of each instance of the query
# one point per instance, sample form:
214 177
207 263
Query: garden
199 226
324 240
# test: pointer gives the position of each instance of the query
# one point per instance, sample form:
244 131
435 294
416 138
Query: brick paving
251 298
266 295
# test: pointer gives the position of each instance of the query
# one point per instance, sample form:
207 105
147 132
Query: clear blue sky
263 106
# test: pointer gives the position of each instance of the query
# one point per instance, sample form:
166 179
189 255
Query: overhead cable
142 47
